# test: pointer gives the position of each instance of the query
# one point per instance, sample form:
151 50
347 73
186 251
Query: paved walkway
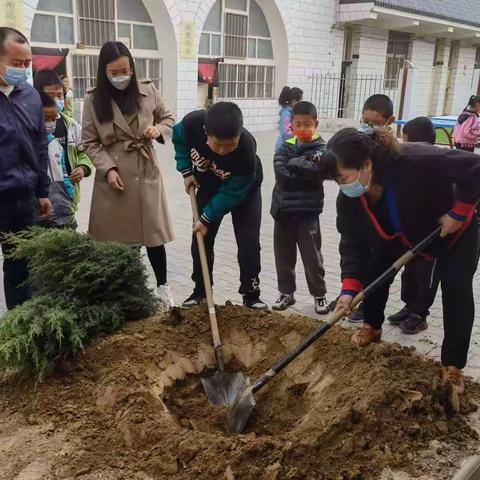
226 270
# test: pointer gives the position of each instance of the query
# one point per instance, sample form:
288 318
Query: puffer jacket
467 129
299 184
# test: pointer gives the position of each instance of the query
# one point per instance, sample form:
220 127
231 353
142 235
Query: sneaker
284 301
413 324
194 300
332 305
399 317
164 294
455 376
357 315
322 307
254 302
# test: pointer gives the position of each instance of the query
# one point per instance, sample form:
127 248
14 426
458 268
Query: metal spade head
222 387
242 408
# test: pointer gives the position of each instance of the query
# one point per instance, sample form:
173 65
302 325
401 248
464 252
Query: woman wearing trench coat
121 119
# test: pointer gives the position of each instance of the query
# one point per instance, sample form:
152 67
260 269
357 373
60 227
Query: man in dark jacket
24 182
297 202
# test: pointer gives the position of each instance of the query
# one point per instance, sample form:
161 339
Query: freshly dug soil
132 407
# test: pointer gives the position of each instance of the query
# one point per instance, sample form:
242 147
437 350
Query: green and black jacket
224 180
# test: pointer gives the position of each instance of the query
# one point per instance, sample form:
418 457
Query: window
236 27
96 22
57 6
238 30
246 81
84 73
439 53
43 29
151 69
397 52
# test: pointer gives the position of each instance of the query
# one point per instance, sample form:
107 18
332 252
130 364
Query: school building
424 54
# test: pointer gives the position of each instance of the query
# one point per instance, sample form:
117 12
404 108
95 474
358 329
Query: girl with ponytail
466 133
391 197
287 100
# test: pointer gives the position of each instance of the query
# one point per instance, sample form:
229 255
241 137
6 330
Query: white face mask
50 127
121 82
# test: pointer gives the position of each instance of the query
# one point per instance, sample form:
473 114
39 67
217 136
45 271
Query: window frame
247 62
246 83
395 61
57 29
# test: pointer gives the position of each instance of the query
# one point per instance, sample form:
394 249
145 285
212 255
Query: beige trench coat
139 215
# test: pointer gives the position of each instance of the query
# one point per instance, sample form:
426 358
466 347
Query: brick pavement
226 269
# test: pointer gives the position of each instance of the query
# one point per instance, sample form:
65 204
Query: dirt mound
133 408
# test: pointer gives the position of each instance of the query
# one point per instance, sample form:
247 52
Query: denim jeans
17 213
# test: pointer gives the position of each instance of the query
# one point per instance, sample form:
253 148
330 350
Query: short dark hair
47 100
224 120
305 108
350 148
46 78
420 129
8 33
379 103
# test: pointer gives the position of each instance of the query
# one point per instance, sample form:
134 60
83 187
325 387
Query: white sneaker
164 294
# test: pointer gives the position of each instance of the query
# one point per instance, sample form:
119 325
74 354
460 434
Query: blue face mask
60 105
355 189
15 76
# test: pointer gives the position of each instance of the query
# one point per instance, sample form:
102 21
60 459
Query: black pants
158 260
420 280
303 231
17 213
456 270
246 219
157 257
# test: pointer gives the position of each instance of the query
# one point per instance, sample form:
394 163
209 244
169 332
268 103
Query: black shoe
413 324
254 302
194 299
322 307
284 301
357 315
399 317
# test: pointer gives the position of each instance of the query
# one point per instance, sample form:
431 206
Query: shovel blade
222 387
242 408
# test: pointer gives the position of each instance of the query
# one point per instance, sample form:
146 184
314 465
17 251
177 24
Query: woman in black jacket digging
391 198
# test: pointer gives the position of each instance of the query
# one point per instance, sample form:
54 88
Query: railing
343 96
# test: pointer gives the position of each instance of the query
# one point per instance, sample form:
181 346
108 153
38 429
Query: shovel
221 387
245 401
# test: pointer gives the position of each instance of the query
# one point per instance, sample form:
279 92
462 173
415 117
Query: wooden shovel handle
206 275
